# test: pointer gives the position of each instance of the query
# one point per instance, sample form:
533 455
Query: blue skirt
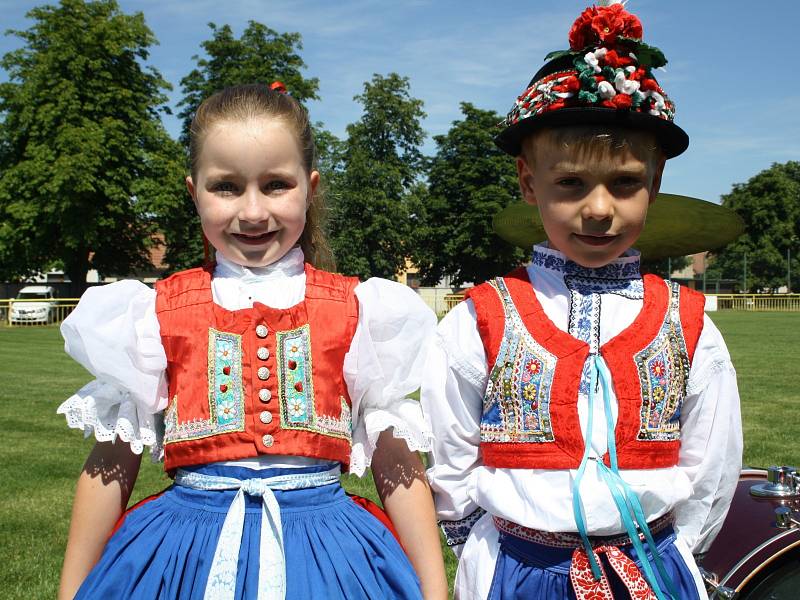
333 547
531 571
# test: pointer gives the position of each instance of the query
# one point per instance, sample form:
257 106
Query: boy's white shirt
698 489
114 334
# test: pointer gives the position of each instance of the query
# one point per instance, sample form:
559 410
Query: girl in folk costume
269 373
586 417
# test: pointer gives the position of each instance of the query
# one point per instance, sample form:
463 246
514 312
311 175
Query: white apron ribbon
221 583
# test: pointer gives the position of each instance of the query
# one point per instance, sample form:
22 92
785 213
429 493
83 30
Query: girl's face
251 190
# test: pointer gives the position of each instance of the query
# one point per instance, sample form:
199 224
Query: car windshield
33 296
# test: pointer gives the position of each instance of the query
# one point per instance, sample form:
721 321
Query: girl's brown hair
253 101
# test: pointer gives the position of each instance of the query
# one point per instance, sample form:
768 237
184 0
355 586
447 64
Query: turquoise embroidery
225 395
296 388
516 406
663 368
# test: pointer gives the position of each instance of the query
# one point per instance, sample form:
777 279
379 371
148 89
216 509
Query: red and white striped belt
573 540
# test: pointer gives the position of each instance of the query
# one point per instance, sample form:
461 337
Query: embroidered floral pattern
663 368
296 388
516 405
586 587
457 532
225 395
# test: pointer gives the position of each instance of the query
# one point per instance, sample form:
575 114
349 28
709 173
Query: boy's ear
190 188
658 173
525 177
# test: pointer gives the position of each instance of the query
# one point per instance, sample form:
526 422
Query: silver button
262 331
268 440
263 373
262 353
264 395
266 417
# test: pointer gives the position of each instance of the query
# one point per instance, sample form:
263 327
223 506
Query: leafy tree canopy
260 55
769 203
469 180
370 220
83 155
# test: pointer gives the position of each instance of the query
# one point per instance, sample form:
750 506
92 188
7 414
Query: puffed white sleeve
711 441
114 334
385 363
452 398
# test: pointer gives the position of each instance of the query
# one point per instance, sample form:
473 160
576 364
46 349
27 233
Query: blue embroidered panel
663 368
457 532
296 388
225 393
516 406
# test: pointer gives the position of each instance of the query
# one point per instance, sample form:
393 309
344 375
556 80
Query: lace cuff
111 413
408 424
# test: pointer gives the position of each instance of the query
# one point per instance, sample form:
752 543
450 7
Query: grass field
40 458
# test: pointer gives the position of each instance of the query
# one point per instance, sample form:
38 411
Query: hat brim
672 139
676 226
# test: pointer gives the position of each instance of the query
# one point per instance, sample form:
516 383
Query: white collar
290 264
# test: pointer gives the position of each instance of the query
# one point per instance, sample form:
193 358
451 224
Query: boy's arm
104 487
452 398
711 441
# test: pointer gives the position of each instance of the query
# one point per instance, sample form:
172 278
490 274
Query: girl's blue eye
569 182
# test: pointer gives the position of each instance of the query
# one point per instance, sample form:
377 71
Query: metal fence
749 302
25 313
758 302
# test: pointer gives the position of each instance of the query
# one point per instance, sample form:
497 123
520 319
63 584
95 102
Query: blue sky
733 68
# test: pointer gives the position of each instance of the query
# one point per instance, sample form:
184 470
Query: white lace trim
110 413
415 432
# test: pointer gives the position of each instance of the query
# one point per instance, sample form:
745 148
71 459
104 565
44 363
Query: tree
260 55
83 154
370 220
769 204
469 180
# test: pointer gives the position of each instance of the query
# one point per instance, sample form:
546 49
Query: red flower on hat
622 101
580 34
602 25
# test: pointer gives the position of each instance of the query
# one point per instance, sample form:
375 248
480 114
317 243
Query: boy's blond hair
594 143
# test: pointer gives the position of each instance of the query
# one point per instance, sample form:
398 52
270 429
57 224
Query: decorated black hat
605 78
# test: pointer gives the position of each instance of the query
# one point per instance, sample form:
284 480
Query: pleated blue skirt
333 547
530 571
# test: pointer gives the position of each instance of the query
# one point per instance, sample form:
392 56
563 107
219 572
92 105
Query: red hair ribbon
277 86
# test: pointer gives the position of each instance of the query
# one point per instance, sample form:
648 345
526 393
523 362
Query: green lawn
40 458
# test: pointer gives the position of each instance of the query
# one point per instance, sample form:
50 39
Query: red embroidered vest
530 415
258 380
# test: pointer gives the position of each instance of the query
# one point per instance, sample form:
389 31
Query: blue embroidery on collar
585 285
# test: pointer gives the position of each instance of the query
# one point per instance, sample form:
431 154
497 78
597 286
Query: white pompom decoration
610 2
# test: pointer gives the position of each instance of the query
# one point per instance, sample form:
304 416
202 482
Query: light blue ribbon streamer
221 584
624 497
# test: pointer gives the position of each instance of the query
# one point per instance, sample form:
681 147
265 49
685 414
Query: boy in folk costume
586 417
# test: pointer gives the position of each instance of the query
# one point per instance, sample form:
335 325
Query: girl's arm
102 493
400 479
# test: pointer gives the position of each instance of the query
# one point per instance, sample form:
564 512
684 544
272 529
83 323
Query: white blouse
698 489
114 334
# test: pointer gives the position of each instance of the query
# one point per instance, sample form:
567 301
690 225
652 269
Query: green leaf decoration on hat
558 54
647 55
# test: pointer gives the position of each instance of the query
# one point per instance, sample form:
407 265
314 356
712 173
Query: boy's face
592 209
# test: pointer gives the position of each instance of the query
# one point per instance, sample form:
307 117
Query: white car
37 306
